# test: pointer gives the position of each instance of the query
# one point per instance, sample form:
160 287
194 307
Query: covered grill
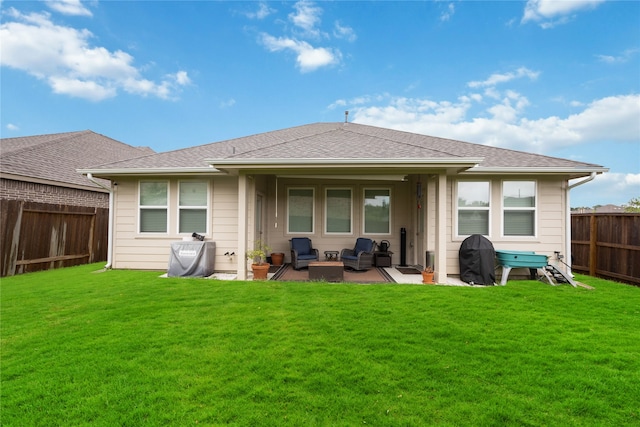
191 259
477 261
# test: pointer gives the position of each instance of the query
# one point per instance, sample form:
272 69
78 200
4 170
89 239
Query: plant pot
427 277
277 258
260 271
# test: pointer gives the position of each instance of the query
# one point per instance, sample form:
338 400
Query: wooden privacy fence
607 246
40 236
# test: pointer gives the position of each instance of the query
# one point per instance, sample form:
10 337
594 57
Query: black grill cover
477 260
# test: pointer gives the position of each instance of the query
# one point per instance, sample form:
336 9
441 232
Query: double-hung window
338 211
300 208
377 211
192 207
473 207
153 206
519 208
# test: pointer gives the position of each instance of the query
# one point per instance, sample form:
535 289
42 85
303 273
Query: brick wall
43 193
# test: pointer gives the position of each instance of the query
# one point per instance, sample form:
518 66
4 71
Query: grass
129 348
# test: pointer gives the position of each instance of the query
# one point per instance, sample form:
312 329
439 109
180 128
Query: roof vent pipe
346 116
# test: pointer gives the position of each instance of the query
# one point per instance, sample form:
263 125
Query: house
334 182
44 199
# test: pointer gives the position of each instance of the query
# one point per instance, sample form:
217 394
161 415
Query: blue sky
560 78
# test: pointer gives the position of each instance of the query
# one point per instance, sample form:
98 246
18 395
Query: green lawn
128 348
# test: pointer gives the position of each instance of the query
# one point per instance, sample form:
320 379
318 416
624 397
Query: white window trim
141 207
207 207
313 211
457 208
527 209
326 214
362 205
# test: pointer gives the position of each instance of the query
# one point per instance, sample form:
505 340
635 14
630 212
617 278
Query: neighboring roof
343 145
55 158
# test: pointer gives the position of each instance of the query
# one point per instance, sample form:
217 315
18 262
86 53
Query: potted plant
277 258
258 256
427 275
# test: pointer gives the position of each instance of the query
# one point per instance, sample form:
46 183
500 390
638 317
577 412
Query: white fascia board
153 171
332 162
535 170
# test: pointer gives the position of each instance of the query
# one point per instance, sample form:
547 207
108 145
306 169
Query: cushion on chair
302 245
362 245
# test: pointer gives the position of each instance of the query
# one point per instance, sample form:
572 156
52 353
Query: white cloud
263 11
502 122
66 60
228 103
306 20
446 16
308 58
306 17
496 79
344 32
550 13
12 127
69 7
181 78
622 58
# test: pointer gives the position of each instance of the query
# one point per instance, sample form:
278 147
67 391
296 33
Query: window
192 207
377 211
338 212
300 210
519 208
473 208
154 196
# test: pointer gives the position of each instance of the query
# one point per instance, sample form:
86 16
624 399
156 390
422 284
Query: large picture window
300 208
473 207
338 210
519 208
192 207
377 211
153 206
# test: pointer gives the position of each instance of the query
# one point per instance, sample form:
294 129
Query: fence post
15 241
593 245
92 231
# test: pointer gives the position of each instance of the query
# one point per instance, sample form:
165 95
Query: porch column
242 227
440 267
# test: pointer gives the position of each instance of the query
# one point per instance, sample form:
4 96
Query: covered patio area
376 275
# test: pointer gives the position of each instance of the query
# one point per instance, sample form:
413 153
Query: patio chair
302 252
361 256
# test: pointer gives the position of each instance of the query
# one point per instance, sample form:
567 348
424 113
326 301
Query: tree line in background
631 206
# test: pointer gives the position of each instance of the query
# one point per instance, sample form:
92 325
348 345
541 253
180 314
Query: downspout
568 219
111 219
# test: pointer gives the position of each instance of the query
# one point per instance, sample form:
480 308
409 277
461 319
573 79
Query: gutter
568 218
208 170
111 219
584 181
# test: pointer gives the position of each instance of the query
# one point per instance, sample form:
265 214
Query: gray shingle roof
55 157
342 141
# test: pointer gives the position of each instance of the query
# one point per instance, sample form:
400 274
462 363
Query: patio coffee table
331 271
